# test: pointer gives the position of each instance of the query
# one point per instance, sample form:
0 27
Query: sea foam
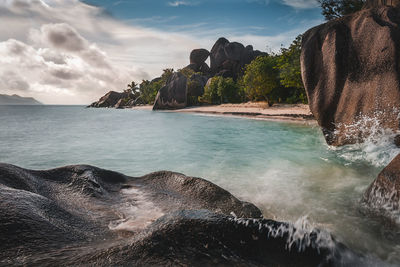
377 146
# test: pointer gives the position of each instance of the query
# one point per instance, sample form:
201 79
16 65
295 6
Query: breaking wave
377 146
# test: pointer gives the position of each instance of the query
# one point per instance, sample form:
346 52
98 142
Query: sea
284 168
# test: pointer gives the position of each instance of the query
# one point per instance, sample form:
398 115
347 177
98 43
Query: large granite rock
197 61
196 85
174 94
228 59
86 216
383 195
350 69
112 99
379 3
199 56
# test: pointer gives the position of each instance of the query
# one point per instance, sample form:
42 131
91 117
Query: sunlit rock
350 69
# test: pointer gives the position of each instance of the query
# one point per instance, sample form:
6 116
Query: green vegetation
275 78
260 78
332 9
221 90
149 89
288 64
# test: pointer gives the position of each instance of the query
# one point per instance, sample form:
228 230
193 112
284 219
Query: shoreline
296 113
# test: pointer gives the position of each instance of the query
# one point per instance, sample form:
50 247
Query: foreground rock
383 195
350 69
82 215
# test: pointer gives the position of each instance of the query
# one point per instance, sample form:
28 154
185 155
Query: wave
374 144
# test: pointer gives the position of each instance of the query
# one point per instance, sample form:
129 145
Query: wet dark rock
197 193
83 215
383 195
204 238
350 74
174 94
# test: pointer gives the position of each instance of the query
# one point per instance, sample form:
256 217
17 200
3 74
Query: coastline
251 110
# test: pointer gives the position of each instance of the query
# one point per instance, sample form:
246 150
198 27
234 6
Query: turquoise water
284 168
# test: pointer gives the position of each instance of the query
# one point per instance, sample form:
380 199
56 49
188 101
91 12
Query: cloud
301 4
181 3
64 37
264 2
13 81
297 4
68 52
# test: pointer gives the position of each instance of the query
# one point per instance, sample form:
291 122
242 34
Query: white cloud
301 4
297 4
65 51
181 3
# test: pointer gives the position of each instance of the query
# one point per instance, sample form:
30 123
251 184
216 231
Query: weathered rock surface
350 69
83 215
112 99
174 94
199 84
383 195
199 56
229 59
378 3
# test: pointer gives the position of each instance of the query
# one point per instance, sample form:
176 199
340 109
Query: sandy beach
253 110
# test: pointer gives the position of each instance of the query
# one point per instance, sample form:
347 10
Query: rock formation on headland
83 215
111 99
350 70
227 60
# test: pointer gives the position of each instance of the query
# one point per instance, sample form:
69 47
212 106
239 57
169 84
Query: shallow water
285 169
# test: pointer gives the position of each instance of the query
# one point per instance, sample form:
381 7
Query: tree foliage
221 90
260 78
273 78
149 89
332 9
288 64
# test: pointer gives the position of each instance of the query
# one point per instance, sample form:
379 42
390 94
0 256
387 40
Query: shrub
260 78
221 90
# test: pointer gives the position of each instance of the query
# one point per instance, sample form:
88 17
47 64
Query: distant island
17 100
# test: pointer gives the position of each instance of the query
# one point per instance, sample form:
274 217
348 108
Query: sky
73 52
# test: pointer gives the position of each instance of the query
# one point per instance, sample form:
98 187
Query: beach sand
254 110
